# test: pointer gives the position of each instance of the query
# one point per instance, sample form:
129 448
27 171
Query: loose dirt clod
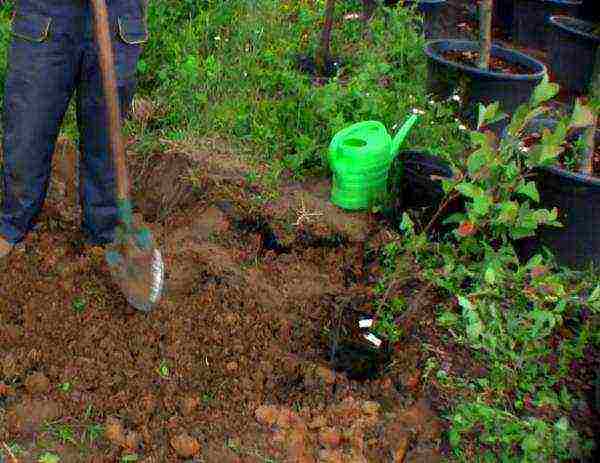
114 431
37 383
26 418
266 415
329 437
185 445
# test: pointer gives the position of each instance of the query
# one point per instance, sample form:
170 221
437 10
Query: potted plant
573 49
483 72
573 185
531 19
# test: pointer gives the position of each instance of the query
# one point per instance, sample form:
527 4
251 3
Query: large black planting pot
572 52
531 27
577 198
487 87
432 11
504 14
590 10
415 185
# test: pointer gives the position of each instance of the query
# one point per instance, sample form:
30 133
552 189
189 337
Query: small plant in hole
129 457
93 432
79 304
48 457
65 387
163 370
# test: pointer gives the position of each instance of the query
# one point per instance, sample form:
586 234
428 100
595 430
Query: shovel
134 260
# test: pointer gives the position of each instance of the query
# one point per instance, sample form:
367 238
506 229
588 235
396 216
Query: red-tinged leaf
466 229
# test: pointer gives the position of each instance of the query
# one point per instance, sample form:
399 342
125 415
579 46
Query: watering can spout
402 133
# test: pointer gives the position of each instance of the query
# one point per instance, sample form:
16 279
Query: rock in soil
37 383
27 418
185 445
329 437
115 432
164 186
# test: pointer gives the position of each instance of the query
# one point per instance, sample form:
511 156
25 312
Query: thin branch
588 166
485 33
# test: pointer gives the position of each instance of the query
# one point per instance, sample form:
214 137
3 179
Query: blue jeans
52 57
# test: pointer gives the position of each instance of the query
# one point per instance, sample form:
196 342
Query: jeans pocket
32 27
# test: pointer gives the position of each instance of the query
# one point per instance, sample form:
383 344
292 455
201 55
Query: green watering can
360 157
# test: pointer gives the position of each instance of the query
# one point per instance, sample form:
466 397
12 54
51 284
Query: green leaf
469 190
407 225
530 444
478 139
543 92
481 205
447 319
454 438
48 457
490 276
509 211
465 303
595 296
457 217
447 185
477 160
530 190
129 457
489 114
582 116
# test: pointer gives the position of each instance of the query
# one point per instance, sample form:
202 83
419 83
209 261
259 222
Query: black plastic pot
531 19
504 14
577 198
432 11
590 10
572 52
415 184
511 90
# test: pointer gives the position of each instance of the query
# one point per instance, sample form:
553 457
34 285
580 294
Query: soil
236 363
496 64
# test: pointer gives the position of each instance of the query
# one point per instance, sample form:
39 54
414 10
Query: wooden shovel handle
111 95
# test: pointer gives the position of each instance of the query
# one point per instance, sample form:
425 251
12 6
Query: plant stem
588 166
323 52
485 33
451 197
368 9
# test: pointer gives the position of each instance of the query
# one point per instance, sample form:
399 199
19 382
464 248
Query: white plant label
373 339
365 323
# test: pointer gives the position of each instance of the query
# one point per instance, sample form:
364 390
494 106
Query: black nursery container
487 87
577 198
572 52
504 14
415 184
531 19
590 10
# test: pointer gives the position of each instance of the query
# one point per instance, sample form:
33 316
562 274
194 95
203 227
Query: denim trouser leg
97 173
52 55
39 83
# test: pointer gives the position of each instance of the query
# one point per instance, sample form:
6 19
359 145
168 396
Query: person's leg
40 81
97 171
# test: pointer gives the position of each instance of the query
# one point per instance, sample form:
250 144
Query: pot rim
432 51
565 2
559 22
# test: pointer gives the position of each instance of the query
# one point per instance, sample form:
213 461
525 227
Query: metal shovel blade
137 267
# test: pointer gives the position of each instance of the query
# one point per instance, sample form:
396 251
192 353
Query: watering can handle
402 133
